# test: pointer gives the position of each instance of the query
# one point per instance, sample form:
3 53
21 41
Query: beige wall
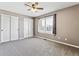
67 26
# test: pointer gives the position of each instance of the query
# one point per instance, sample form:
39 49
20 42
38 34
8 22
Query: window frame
45 18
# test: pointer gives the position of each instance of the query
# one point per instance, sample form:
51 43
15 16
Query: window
45 25
41 25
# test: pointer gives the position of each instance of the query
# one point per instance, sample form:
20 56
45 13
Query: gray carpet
35 47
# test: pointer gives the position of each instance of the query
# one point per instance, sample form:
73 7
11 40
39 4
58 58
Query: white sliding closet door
30 27
26 27
5 28
14 28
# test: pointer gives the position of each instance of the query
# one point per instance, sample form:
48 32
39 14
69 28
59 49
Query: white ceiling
20 8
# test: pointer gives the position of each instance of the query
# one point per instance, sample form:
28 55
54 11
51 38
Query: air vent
44 39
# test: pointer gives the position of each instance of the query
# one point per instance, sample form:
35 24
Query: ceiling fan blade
28 9
40 8
27 5
36 3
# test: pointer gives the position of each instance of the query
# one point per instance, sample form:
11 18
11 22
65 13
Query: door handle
1 29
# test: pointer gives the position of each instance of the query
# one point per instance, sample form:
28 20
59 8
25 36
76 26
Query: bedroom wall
67 25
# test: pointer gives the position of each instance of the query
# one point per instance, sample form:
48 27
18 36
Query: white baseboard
16 40
59 42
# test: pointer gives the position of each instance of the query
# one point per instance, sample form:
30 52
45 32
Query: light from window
45 25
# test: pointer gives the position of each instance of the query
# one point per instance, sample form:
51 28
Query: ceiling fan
34 7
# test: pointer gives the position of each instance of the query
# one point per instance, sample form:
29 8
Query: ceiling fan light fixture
34 7
33 10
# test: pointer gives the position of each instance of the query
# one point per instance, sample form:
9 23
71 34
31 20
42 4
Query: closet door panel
26 27
30 27
14 28
5 28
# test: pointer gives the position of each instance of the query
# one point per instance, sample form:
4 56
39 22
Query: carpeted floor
36 47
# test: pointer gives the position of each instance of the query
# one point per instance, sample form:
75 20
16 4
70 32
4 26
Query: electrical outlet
65 38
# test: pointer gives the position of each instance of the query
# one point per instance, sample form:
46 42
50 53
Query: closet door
30 27
14 28
26 23
5 28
